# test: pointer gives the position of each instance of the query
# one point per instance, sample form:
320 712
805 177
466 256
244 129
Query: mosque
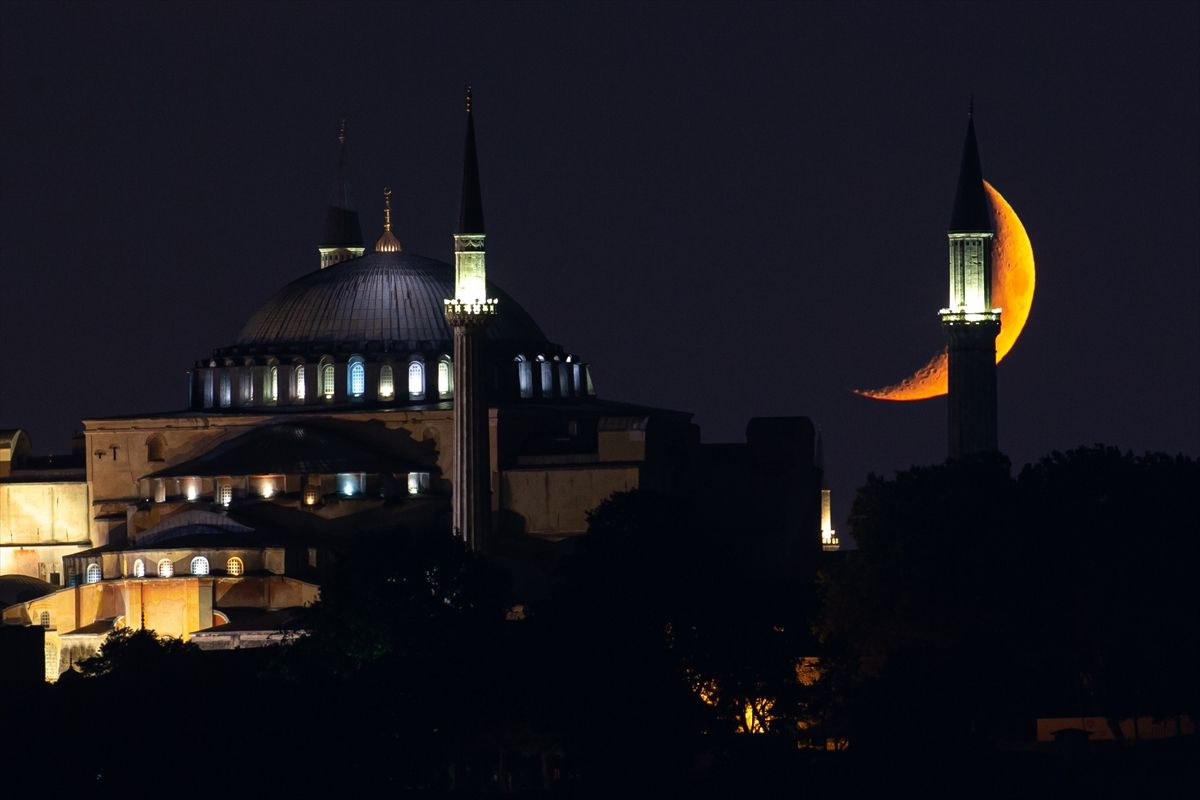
382 390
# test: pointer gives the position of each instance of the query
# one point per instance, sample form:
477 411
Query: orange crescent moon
1013 279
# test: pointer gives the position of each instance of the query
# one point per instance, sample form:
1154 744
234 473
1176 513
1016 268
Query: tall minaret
970 321
342 238
469 313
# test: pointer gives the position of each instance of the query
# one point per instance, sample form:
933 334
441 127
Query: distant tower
829 539
469 313
342 238
970 321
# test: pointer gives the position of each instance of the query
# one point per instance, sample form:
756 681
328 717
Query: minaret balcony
467 312
960 316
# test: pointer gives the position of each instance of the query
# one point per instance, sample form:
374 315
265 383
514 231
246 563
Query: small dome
380 297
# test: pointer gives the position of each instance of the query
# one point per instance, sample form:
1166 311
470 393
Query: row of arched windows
166 568
217 382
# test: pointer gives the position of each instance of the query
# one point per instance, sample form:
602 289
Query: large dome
380 297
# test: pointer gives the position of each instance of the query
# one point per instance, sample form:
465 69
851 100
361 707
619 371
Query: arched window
298 389
445 379
271 384
357 377
416 380
156 448
326 376
165 568
45 619
93 574
139 569
199 566
351 483
226 390
418 482
387 385
525 376
224 492
234 566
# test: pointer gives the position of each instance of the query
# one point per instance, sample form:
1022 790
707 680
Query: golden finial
342 132
468 98
387 242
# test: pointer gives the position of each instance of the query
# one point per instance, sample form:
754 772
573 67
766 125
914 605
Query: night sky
734 209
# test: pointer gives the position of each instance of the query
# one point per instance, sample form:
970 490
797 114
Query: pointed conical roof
470 210
342 228
971 211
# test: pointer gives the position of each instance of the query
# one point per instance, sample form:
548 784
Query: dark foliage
978 602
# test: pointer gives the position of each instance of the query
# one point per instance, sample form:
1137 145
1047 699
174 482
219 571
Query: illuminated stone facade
380 390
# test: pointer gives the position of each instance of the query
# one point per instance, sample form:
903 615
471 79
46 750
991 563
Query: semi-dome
394 297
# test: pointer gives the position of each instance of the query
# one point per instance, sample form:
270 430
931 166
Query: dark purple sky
736 209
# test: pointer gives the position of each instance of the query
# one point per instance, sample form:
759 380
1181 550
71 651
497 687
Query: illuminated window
225 493
271 384
525 376
226 390
358 378
327 379
312 493
234 566
139 569
45 619
156 448
298 390
445 379
165 568
93 574
51 667
266 486
387 387
351 483
418 482
199 566
416 380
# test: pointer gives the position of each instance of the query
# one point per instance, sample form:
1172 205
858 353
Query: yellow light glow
1013 280
756 715
808 671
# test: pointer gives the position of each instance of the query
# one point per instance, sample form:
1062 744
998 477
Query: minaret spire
387 243
342 237
469 312
470 210
970 322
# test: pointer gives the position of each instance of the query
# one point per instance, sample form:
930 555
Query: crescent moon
1013 279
